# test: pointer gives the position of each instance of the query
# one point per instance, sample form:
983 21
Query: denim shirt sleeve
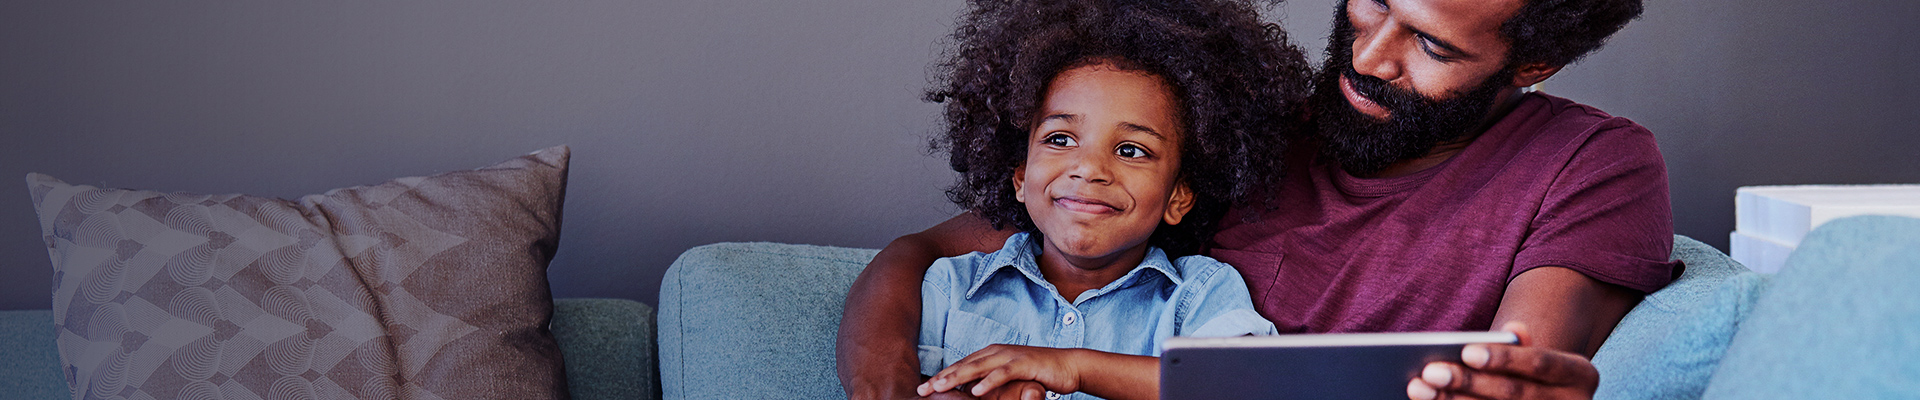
936 295
1212 302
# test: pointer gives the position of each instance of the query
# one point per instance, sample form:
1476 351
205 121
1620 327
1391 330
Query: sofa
757 321
608 345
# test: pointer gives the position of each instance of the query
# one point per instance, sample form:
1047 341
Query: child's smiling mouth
1086 205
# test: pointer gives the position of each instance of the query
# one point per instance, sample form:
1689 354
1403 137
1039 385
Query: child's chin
1087 247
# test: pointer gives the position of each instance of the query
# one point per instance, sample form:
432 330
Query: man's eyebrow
1449 47
1142 128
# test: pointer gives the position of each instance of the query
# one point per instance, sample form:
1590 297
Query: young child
1113 135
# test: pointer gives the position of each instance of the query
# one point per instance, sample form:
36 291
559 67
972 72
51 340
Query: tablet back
1350 366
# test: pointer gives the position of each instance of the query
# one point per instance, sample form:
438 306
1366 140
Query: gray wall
742 120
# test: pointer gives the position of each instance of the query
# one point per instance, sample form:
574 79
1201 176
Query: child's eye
1130 151
1060 139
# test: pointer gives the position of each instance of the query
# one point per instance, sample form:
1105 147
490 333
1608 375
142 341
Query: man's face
1405 75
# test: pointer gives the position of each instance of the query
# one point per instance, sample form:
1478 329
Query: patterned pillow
417 288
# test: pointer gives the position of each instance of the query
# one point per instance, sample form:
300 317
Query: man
1439 194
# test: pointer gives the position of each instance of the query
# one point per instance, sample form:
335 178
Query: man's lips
1361 103
1085 205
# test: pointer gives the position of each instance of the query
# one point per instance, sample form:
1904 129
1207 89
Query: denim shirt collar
1021 252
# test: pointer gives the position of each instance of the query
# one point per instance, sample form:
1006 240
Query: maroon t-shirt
1555 183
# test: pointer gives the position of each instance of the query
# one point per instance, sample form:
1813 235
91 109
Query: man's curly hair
1239 82
1559 32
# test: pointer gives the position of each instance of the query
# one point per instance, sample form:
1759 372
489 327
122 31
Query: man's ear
1019 184
1530 74
1178 204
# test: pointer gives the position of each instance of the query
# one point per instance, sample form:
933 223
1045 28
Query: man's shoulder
1562 115
1546 127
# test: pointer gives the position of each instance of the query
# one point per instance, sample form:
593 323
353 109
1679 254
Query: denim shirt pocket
967 333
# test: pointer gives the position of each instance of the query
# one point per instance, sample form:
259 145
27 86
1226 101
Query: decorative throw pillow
418 288
1839 321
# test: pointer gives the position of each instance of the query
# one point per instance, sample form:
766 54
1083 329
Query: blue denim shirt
976 300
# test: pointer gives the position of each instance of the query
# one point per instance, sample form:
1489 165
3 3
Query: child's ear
1019 182
1178 204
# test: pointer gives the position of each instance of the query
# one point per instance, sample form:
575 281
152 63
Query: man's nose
1378 55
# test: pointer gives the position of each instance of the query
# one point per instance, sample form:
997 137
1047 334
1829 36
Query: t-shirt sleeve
1607 213
936 293
1213 302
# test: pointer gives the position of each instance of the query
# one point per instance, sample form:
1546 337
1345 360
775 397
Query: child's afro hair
1238 80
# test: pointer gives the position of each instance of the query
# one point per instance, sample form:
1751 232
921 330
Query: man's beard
1363 144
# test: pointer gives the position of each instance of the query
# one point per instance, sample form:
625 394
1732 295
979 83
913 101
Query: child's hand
1016 390
998 365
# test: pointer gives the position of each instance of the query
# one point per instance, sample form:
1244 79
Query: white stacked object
1769 221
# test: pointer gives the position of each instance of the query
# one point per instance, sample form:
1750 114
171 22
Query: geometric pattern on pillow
417 288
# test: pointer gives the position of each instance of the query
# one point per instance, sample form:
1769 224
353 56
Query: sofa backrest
758 320
754 320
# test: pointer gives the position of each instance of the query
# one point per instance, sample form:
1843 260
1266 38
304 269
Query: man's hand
1526 371
999 366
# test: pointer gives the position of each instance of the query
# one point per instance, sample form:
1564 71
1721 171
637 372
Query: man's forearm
879 331
1565 309
877 357
1119 376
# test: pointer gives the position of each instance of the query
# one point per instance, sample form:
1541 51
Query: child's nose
1092 167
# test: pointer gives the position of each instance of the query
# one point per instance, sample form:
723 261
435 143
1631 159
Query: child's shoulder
968 264
962 268
1203 269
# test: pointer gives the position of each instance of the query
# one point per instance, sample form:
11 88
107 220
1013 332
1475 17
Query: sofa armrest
608 345
754 320
29 359
1667 347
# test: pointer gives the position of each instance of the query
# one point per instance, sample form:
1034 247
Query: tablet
1312 366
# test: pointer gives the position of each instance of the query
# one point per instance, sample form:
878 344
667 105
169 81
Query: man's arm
876 351
993 369
1563 316
1566 310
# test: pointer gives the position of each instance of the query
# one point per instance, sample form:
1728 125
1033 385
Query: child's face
1103 162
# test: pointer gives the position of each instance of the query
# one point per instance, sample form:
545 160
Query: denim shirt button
1068 319
1052 396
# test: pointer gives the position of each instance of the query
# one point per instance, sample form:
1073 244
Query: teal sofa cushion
1668 346
29 361
608 347
1840 321
754 320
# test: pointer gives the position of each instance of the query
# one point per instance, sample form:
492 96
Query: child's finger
966 370
993 380
1018 390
